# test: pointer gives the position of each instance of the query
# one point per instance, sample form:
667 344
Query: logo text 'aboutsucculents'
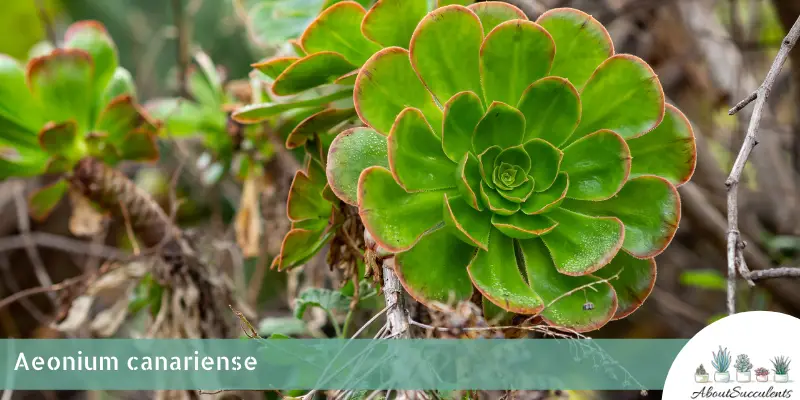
730 360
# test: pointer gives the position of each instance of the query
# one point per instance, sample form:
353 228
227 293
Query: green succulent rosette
67 104
524 159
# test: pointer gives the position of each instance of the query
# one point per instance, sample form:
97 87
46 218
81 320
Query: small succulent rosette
231 146
67 104
525 159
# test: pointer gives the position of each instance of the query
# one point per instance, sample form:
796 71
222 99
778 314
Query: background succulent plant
231 145
526 159
69 103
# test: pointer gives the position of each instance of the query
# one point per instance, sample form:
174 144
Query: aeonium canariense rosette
70 104
524 159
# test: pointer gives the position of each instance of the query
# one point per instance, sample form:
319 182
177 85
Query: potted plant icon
762 374
781 367
743 367
700 374
721 361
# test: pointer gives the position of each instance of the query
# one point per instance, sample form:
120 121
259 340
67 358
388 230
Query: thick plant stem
397 312
114 192
397 315
199 297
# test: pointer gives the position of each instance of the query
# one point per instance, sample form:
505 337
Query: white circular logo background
761 335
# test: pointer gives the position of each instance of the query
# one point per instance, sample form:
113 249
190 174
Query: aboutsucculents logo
731 359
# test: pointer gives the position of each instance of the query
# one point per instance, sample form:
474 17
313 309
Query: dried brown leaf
85 219
248 219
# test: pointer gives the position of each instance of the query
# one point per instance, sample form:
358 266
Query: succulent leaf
386 85
598 165
69 103
520 46
635 279
392 22
338 29
551 286
258 112
552 110
121 116
502 125
522 226
487 164
582 42
305 199
396 218
546 164
462 113
623 95
493 13
497 277
581 244
273 67
59 138
17 106
139 145
299 246
468 180
91 37
415 154
543 201
352 152
310 208
448 66
435 269
648 206
311 71
497 203
318 123
669 151
63 82
468 224
43 201
121 83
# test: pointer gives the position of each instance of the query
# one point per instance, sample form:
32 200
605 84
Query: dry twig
24 224
735 245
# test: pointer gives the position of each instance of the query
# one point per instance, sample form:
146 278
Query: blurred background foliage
143 31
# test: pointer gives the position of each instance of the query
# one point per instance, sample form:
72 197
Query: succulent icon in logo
721 361
762 374
781 367
700 374
743 367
